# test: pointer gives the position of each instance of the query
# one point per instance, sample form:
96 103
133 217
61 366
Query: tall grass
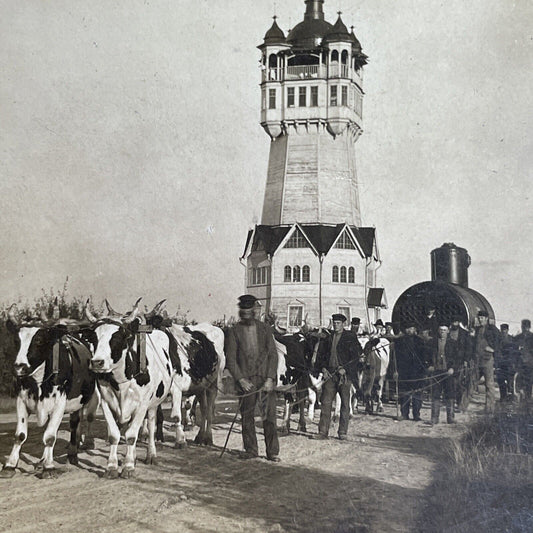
487 484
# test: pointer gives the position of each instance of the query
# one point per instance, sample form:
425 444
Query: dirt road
374 482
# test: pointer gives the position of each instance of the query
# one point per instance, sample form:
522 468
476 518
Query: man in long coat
339 366
411 369
252 360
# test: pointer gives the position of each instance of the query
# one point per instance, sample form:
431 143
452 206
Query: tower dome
309 33
275 34
339 32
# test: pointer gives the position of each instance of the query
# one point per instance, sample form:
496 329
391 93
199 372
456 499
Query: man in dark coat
252 359
507 363
339 365
525 364
446 361
461 340
486 343
411 365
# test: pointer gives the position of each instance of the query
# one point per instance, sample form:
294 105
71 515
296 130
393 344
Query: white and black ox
297 354
132 385
52 378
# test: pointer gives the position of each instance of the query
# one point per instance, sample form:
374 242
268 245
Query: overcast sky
132 159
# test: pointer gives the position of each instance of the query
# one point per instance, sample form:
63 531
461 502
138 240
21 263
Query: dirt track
374 482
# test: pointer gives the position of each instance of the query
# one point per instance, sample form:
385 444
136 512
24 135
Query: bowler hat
504 326
356 320
247 301
379 323
338 316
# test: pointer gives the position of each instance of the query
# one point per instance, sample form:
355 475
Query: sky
133 162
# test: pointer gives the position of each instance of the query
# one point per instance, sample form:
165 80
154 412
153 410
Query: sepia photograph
265 266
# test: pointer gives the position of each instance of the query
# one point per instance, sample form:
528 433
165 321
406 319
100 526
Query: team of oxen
130 363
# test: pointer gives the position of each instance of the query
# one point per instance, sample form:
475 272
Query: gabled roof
321 236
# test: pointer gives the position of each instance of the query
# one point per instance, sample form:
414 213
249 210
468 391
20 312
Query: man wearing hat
339 367
355 325
459 338
486 344
252 360
525 365
507 363
411 364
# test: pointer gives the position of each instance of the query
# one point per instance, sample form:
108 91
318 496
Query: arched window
296 274
273 61
351 275
335 56
306 273
335 274
343 274
344 57
287 274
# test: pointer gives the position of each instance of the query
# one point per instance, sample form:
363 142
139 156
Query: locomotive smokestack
450 263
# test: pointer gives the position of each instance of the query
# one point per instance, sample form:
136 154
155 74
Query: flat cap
247 301
482 312
356 320
338 316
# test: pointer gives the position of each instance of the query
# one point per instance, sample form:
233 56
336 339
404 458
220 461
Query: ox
296 366
52 378
371 373
134 382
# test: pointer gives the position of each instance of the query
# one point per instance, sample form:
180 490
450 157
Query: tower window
314 96
259 276
345 242
333 96
263 99
272 99
351 275
287 274
302 96
343 274
296 274
306 273
335 274
344 95
297 240
290 96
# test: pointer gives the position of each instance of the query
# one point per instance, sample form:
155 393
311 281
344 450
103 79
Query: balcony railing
304 72
307 72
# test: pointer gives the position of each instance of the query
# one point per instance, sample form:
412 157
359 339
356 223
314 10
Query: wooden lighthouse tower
310 256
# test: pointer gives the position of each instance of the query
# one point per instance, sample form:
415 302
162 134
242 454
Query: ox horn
157 308
55 312
133 314
12 315
110 310
90 317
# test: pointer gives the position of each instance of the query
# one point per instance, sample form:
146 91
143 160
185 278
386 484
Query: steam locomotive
447 292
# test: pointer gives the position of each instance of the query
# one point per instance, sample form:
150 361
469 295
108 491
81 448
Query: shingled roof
321 236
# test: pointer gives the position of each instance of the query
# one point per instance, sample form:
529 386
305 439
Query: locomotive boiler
447 292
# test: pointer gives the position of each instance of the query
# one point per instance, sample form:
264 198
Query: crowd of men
441 357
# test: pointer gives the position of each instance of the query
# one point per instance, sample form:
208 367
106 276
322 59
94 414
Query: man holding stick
252 360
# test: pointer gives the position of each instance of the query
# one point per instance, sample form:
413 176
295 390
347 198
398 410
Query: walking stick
231 427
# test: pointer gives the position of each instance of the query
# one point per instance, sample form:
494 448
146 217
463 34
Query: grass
487 484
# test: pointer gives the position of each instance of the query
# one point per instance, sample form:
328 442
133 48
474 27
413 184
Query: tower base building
310 257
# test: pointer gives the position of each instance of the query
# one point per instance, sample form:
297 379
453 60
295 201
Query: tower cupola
314 9
274 35
339 32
